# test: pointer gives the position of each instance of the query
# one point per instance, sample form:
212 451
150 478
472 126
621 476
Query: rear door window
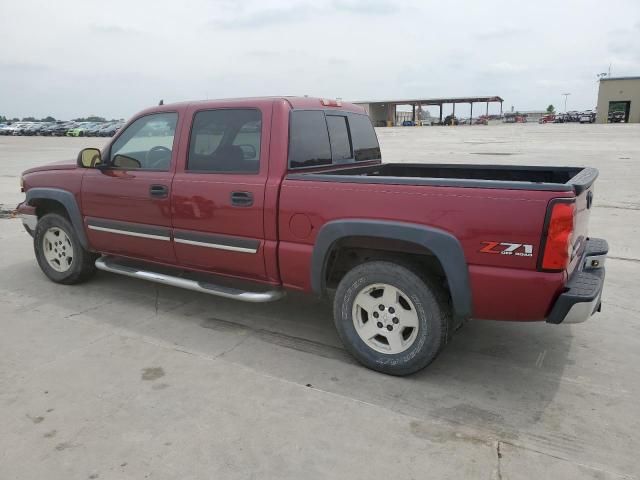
309 140
225 141
339 137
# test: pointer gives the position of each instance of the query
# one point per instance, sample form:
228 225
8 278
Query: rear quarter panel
503 286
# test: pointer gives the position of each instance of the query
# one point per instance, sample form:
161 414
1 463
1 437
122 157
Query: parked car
111 130
408 123
587 117
616 117
514 117
573 116
20 128
49 128
30 129
92 131
549 118
305 204
38 128
450 120
80 130
61 129
560 118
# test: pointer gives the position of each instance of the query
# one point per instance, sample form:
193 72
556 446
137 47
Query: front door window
146 144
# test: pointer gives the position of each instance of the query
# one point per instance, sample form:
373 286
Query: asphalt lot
120 378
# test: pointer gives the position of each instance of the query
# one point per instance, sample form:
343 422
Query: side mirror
89 158
127 163
248 152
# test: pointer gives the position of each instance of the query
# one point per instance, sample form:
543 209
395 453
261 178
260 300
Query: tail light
557 236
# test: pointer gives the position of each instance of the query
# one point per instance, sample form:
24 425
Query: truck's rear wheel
59 252
390 318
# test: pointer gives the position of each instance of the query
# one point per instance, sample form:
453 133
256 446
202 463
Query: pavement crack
86 310
229 350
624 259
498 472
157 298
619 207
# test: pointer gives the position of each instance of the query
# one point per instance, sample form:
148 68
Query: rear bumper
583 294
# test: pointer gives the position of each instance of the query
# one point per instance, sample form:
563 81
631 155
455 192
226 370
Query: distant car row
617 117
588 116
61 129
451 120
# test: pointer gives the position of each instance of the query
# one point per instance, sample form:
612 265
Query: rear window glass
309 142
339 137
365 142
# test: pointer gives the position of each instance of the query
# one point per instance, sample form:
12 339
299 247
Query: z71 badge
506 248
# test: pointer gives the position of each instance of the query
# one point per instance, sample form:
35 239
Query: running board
109 265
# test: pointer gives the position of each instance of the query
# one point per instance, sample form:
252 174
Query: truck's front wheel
390 318
59 252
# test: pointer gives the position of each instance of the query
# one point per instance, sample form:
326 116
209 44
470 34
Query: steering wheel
158 162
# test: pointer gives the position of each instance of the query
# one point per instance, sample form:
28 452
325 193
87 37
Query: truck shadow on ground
494 377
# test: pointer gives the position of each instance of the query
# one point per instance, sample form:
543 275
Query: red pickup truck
249 198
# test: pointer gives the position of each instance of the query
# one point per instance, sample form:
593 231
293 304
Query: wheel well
350 252
47 205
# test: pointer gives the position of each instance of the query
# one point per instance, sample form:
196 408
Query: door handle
241 199
159 191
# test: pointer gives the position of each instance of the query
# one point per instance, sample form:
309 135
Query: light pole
566 95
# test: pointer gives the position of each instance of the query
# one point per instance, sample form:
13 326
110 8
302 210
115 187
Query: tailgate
584 187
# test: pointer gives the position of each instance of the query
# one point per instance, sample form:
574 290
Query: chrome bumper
29 221
583 294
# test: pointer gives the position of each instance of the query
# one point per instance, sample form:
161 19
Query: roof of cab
299 103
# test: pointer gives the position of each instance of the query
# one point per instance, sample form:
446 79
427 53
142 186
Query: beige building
621 94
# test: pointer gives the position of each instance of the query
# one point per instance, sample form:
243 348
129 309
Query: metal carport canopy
434 101
420 102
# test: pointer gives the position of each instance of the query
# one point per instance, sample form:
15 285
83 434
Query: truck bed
575 179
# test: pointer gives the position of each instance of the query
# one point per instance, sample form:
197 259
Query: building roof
432 101
619 78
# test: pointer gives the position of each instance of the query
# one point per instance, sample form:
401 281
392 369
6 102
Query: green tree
3 119
49 119
551 109
29 119
90 118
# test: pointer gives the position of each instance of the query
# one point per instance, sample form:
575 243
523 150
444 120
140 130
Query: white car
587 117
8 129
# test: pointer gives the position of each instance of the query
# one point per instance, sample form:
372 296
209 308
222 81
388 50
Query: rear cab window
320 138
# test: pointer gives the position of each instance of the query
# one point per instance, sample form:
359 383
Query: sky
112 58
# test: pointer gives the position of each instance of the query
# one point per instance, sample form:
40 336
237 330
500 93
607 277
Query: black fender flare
444 246
68 201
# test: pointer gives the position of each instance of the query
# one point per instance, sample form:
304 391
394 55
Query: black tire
432 308
83 262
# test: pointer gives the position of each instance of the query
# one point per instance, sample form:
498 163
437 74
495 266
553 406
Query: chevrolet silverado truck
249 198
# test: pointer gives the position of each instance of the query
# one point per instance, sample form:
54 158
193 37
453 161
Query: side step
109 264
